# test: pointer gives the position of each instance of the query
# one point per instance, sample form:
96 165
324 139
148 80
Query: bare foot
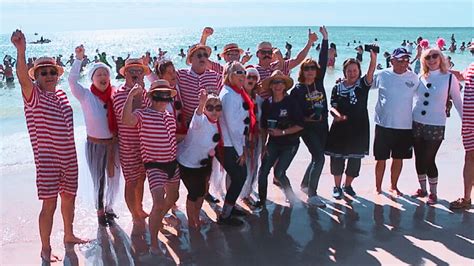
72 239
378 191
49 257
395 191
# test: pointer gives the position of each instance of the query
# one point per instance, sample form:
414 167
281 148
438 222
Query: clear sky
66 15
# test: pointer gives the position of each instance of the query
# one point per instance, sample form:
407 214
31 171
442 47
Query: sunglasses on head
266 52
201 55
44 73
240 72
429 57
277 81
211 108
308 68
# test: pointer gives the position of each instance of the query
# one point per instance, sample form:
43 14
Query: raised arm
323 54
76 88
18 39
312 37
128 118
202 101
206 32
372 65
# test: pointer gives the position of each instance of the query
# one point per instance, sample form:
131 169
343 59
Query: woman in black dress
348 137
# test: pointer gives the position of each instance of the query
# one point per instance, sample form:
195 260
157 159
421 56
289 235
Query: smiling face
215 105
237 76
47 78
352 71
400 65
170 75
278 87
433 60
232 55
101 79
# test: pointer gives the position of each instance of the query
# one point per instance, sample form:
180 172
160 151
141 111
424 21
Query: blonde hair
229 68
443 64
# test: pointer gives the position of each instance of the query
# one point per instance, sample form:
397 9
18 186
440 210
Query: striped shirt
157 132
190 83
468 103
216 67
50 124
128 135
267 72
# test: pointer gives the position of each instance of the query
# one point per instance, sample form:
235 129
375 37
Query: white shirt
430 103
395 99
198 142
95 114
232 119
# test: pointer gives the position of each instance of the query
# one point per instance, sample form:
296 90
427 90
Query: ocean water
15 149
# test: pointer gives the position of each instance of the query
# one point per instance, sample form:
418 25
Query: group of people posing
249 119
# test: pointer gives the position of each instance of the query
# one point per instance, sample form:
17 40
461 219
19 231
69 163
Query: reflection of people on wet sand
56 110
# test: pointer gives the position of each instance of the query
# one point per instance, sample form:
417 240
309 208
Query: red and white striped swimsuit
157 133
267 72
49 120
468 109
129 143
189 85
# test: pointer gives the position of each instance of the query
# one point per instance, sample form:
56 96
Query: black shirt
287 113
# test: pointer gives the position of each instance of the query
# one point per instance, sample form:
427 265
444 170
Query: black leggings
425 155
237 173
195 180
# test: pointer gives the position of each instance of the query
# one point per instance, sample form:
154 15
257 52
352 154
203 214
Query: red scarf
251 105
106 97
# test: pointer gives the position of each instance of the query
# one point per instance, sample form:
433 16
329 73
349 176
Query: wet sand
367 230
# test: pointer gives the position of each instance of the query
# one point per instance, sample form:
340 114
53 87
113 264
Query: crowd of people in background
245 119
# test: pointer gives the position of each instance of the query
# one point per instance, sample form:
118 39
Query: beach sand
367 230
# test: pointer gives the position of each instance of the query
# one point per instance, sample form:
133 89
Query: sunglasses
278 81
252 77
201 55
211 108
308 68
429 57
135 71
240 72
51 73
403 60
266 52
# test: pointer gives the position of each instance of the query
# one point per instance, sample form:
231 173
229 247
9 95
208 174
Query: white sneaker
316 201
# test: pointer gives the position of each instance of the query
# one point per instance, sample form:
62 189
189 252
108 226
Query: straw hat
44 62
194 48
231 47
277 74
161 85
134 62
264 46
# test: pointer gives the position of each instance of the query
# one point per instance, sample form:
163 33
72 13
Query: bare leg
349 180
337 180
156 216
130 188
139 190
67 211
190 211
45 228
468 174
396 169
379 172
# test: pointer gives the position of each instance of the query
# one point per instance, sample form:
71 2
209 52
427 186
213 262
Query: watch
283 132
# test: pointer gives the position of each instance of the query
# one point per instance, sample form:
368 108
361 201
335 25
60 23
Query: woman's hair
306 62
332 45
443 64
160 67
348 62
229 68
